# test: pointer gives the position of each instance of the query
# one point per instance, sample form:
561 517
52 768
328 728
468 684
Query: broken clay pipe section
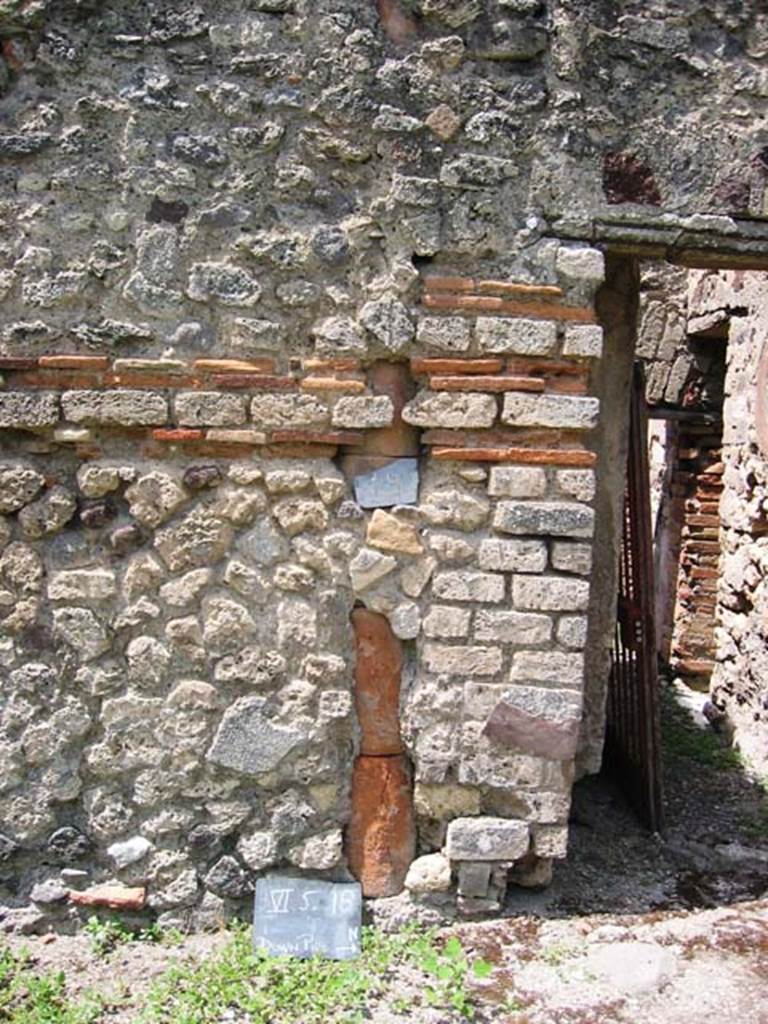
381 838
378 668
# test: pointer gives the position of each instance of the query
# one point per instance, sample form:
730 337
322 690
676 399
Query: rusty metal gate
633 742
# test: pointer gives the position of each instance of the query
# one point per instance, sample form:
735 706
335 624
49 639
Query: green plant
26 998
449 967
281 990
558 952
682 738
105 934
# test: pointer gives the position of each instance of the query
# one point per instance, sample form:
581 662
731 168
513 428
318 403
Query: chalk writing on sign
303 917
397 483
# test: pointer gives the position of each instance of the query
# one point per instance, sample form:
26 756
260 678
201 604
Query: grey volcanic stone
540 517
487 839
129 408
49 513
28 410
18 485
227 878
248 741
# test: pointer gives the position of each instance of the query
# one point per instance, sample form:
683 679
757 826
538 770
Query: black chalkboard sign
302 917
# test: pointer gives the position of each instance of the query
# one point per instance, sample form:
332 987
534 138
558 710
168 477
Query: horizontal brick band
457 366
492 304
528 456
482 383
436 283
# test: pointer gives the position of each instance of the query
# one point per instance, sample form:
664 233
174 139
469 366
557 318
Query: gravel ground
637 928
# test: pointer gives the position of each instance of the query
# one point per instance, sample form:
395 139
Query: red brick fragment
342 363
73 362
482 383
349 437
518 288
299 451
58 379
149 380
381 838
378 668
537 310
339 385
17 363
528 456
451 366
254 382
177 434
234 365
116 897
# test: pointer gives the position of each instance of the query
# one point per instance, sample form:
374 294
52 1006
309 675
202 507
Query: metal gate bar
633 741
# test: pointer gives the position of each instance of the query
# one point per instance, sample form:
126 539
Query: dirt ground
647 929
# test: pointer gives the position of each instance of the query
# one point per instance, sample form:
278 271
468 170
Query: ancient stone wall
216 225
739 686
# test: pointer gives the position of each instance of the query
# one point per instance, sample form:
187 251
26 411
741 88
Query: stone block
273 412
455 508
467 410
487 839
430 873
571 412
576 558
208 409
450 548
581 263
115 408
474 878
548 667
513 555
389 533
446 622
363 411
154 497
405 620
319 852
446 801
469 585
572 631
521 337
444 333
517 482
82 585
453 660
49 513
550 841
585 340
512 627
551 518
538 722
413 191
248 741
224 283
578 483
388 320
27 411
550 593
368 567
415 577
19 484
